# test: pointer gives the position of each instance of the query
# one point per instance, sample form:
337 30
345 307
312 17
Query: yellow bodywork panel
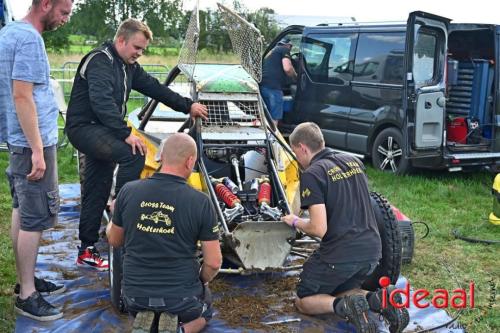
288 172
151 165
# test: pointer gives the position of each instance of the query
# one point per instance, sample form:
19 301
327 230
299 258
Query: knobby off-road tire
390 264
115 277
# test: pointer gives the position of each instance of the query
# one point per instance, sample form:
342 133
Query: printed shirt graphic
23 57
338 181
163 219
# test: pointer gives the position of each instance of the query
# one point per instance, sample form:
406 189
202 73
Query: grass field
444 201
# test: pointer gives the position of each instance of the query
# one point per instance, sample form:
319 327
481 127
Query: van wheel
388 228
115 278
388 152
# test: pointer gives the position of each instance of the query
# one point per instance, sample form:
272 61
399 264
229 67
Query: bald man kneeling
159 221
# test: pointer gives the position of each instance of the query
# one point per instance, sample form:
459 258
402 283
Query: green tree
264 20
95 18
58 40
164 17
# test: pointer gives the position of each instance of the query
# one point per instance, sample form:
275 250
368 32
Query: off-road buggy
244 164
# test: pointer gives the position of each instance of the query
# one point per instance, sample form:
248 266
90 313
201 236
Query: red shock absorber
226 195
264 192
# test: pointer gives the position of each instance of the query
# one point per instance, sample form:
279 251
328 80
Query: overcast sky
477 11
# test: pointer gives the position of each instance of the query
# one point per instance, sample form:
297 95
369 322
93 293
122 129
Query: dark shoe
36 307
356 310
168 323
397 319
90 257
143 322
44 287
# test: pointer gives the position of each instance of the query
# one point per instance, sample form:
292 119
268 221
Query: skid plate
262 245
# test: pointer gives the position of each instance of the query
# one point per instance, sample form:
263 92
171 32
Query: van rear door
424 86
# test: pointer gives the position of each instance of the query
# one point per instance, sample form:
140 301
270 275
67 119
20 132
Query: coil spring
226 195
264 193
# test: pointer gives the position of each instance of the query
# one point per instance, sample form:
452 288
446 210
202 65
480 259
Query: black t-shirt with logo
339 182
273 75
163 218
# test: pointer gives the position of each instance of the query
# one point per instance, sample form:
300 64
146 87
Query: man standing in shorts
28 123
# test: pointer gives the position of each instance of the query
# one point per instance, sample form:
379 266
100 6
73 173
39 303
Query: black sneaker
36 307
44 287
143 322
356 310
168 323
397 319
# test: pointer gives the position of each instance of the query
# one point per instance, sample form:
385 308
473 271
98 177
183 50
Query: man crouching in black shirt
334 188
159 221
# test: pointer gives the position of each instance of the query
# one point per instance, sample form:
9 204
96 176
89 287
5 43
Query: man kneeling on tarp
334 188
159 221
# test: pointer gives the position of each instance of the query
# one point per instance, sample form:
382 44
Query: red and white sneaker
92 258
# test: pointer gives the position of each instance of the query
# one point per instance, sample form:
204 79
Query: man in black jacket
96 126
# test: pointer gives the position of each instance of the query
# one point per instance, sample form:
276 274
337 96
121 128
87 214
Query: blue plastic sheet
86 303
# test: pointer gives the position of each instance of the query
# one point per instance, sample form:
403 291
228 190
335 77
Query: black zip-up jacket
101 90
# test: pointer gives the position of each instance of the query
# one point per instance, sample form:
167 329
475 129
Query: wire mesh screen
187 55
224 113
246 41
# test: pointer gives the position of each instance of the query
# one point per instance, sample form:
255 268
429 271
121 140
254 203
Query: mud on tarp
242 303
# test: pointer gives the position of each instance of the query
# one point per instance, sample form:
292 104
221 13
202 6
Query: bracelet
294 222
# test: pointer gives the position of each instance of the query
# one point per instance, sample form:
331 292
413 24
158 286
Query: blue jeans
274 101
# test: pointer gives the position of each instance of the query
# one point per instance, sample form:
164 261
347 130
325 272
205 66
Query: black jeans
187 309
319 277
102 151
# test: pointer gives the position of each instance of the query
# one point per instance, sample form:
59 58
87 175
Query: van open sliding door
424 87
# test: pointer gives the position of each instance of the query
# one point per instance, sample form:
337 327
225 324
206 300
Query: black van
421 94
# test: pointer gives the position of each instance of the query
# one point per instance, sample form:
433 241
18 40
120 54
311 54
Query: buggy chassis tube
206 177
284 146
148 110
279 186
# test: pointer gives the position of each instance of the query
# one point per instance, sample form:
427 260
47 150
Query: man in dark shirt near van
159 221
334 188
276 66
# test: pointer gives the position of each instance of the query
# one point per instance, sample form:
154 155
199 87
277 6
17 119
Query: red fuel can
457 130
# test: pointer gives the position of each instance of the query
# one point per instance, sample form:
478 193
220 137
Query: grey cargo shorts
37 201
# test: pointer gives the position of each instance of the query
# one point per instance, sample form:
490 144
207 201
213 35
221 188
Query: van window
379 57
327 57
424 56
